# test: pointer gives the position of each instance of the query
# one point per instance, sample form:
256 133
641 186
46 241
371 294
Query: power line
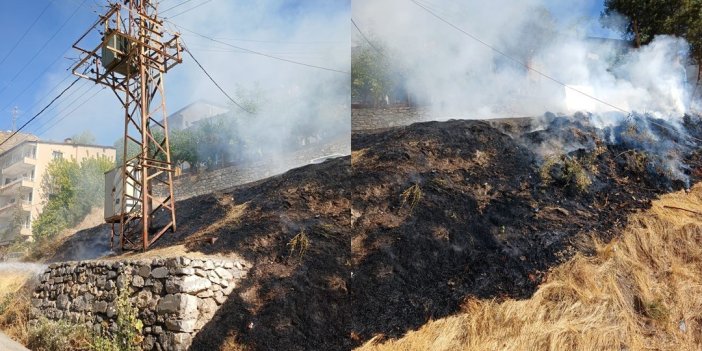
71 112
64 108
43 47
32 83
213 81
174 6
366 38
516 60
190 9
26 32
257 52
40 112
74 91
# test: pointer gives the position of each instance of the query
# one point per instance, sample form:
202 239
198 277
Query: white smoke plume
22 267
459 77
292 99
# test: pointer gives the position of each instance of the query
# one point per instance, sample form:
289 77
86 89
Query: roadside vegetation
73 190
48 335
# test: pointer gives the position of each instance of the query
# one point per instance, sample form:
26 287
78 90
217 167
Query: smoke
22 267
584 92
296 104
458 77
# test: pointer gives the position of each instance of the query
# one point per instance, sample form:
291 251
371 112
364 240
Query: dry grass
640 292
14 305
299 243
411 196
11 281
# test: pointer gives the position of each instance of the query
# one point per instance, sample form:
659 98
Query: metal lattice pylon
131 59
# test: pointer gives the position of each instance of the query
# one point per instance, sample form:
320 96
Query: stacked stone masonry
175 297
366 118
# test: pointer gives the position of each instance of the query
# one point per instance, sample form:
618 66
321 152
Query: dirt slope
447 210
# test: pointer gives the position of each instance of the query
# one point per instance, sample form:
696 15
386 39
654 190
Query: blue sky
307 31
310 31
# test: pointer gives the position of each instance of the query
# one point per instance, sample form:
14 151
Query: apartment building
22 168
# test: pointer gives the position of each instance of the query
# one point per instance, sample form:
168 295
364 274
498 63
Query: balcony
21 184
18 165
25 231
8 210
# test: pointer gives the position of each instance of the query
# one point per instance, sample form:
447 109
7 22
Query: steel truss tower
133 54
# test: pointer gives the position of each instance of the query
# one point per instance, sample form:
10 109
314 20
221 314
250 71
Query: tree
249 99
372 75
648 18
184 147
86 137
72 190
132 150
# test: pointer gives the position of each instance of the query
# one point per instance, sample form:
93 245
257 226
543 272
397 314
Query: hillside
440 213
294 296
445 211
639 292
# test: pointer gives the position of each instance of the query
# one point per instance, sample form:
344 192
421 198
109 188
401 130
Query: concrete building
189 115
22 168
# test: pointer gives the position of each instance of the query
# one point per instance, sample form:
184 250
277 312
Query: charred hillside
446 210
292 230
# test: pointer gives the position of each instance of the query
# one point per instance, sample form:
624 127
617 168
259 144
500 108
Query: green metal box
114 50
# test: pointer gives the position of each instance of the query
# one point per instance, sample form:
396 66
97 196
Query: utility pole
133 53
15 114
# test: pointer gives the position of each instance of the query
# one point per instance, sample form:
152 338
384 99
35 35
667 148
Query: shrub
62 335
299 243
73 190
127 335
412 196
565 171
48 335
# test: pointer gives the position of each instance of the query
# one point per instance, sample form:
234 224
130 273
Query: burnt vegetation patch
501 203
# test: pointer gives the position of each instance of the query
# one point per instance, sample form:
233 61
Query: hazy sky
310 31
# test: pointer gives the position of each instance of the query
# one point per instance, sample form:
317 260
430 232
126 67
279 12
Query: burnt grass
478 220
495 213
287 301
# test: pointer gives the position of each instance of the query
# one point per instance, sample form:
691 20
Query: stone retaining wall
175 297
365 118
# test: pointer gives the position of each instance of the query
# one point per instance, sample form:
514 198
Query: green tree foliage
132 150
648 18
184 147
208 143
72 190
372 73
86 137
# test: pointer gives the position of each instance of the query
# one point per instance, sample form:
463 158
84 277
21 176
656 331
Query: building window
57 155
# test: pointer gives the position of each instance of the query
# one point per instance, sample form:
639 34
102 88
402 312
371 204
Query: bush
128 336
61 335
411 196
14 315
48 335
565 171
73 190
